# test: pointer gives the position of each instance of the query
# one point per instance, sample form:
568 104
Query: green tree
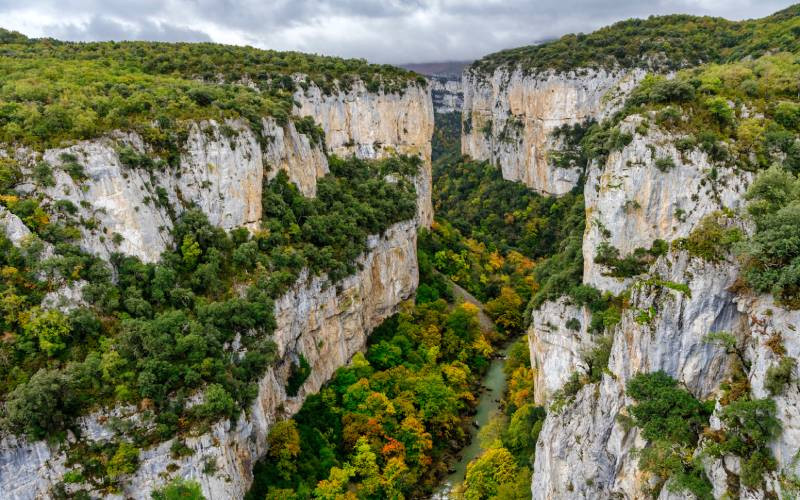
51 328
488 472
42 407
284 447
179 489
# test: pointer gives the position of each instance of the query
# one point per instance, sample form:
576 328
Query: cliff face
447 94
630 202
325 324
221 171
376 125
584 450
509 117
557 339
131 206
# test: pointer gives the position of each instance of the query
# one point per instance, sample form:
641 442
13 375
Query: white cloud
393 31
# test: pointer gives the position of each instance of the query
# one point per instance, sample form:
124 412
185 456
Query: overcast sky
390 31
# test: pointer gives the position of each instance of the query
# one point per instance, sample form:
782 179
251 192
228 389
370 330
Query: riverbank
492 388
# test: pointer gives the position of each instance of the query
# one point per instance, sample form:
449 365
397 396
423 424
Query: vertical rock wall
376 125
509 117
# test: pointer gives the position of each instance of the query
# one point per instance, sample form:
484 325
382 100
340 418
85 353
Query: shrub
124 461
297 376
712 238
217 402
631 265
719 110
179 489
665 164
664 411
42 407
779 376
596 358
573 324
671 419
773 251
749 426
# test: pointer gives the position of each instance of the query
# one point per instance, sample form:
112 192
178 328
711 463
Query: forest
159 332
658 43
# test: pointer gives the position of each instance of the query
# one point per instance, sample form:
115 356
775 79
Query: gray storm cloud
390 31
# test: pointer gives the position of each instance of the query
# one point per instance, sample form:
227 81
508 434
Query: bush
749 426
713 238
124 461
631 265
671 419
665 164
779 376
664 411
179 489
772 253
297 376
42 407
216 403
597 357
719 110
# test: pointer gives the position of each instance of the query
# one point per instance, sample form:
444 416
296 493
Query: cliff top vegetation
53 91
657 43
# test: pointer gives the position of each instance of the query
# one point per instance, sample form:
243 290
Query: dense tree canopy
658 43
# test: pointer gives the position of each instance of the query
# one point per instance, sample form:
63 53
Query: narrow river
489 401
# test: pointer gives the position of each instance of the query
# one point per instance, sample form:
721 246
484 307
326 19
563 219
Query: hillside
657 43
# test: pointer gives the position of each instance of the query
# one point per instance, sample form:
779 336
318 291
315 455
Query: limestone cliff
123 207
447 94
631 202
376 125
130 207
509 117
558 337
325 324
584 449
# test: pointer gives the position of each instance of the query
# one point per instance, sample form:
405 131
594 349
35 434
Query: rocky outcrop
557 337
447 94
630 201
130 209
509 117
773 336
664 329
324 323
376 125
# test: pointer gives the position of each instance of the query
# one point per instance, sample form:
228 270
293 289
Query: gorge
236 273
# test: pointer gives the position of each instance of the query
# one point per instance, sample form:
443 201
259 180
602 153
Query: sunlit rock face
376 125
509 117
631 202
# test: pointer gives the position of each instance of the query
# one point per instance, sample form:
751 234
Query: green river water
495 384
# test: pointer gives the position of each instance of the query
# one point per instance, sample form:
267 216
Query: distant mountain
443 68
